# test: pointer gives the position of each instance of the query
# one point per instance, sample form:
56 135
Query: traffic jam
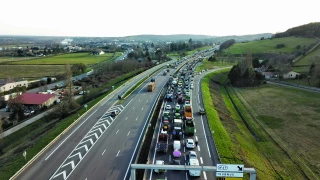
176 141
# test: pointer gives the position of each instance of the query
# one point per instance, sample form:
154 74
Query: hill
173 37
306 30
269 45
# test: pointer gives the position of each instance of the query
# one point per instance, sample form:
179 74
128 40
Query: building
270 75
8 84
37 100
291 75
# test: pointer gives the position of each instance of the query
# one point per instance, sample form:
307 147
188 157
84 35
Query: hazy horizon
141 17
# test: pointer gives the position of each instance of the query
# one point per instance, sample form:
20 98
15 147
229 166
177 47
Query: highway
206 150
100 146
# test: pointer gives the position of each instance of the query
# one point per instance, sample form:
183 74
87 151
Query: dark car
114 113
202 111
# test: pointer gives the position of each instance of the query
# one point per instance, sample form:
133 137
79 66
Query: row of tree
307 30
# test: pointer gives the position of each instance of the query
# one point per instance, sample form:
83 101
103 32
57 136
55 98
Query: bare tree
68 82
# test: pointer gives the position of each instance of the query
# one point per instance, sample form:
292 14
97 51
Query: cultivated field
29 71
269 46
73 58
293 118
221 62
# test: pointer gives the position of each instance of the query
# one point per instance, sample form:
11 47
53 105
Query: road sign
229 174
230 167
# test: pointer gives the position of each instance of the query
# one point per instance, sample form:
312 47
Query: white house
8 84
291 75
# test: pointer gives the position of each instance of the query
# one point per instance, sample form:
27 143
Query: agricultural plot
306 61
269 45
29 71
73 58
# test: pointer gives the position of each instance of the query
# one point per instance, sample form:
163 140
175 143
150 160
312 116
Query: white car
159 162
194 173
191 87
168 107
192 155
190 143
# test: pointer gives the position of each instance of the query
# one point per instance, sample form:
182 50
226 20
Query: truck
189 127
151 86
162 144
188 112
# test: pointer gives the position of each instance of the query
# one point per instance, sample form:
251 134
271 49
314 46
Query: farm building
8 84
291 75
269 75
37 100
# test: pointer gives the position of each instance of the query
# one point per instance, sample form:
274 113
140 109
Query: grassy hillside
291 118
73 58
314 56
269 45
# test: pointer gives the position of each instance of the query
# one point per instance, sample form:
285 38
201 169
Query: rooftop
32 99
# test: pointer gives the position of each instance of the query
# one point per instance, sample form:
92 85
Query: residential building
37 100
291 75
8 84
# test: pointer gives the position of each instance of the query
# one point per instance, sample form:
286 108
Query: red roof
28 98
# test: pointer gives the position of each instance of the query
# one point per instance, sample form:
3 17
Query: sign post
86 106
230 171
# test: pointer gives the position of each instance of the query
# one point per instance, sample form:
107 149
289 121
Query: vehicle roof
194 162
192 152
177 120
190 140
159 162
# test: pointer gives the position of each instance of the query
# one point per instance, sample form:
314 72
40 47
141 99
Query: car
178 107
202 111
190 143
114 113
176 162
194 173
159 162
191 87
168 107
192 155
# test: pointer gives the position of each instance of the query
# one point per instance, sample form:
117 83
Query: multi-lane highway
100 146
206 151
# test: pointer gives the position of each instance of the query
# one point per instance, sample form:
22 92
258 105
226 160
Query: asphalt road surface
206 150
100 146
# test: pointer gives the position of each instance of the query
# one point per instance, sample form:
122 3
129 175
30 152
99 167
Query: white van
194 173
176 145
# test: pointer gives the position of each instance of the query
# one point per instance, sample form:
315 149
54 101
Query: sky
114 18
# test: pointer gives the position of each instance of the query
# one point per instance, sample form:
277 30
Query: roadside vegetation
219 62
270 45
234 140
303 65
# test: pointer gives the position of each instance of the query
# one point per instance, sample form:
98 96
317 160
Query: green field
73 58
13 59
291 118
269 46
237 145
314 56
176 55
221 62
30 71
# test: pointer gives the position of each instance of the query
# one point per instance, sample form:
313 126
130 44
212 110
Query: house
8 84
38 100
291 75
270 75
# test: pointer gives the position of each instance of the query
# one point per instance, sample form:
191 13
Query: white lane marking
70 135
133 107
195 130
126 118
169 158
150 95
199 98
185 158
108 122
204 175
184 149
201 160
170 136
111 118
141 109
129 102
196 138
205 137
137 119
118 153
147 100
103 152
86 178
183 136
128 133
198 148
186 176
139 100
117 132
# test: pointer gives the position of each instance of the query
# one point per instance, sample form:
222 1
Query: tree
255 63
